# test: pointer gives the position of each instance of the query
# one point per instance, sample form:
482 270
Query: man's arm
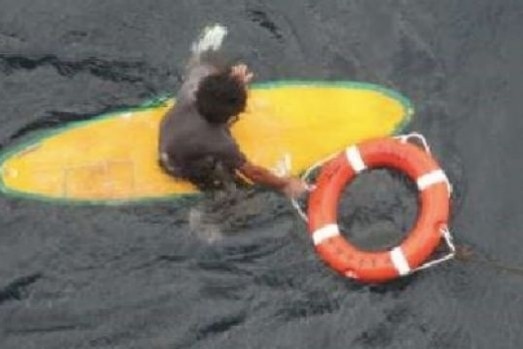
201 64
290 186
260 175
204 50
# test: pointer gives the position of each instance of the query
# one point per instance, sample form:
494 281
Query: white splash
211 38
283 167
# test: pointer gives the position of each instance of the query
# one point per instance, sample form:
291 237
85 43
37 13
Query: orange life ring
422 240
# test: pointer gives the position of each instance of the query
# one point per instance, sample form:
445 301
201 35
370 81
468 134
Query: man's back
188 142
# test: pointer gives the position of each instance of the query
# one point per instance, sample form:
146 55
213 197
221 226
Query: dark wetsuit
192 148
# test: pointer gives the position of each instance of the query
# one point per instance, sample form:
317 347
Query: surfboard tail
210 39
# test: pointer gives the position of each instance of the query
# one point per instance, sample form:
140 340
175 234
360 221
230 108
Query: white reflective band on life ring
431 178
355 160
324 233
400 262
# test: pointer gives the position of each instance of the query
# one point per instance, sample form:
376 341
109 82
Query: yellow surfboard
113 158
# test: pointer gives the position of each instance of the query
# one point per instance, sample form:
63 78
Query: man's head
220 97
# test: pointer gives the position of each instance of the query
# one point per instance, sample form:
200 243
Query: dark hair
220 97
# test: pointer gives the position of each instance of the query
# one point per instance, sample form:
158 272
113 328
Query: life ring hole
378 209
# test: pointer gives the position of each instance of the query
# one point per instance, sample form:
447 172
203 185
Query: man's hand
294 188
242 73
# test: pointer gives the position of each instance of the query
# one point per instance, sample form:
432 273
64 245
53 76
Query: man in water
195 141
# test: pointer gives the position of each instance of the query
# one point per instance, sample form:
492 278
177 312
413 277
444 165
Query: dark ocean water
136 277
